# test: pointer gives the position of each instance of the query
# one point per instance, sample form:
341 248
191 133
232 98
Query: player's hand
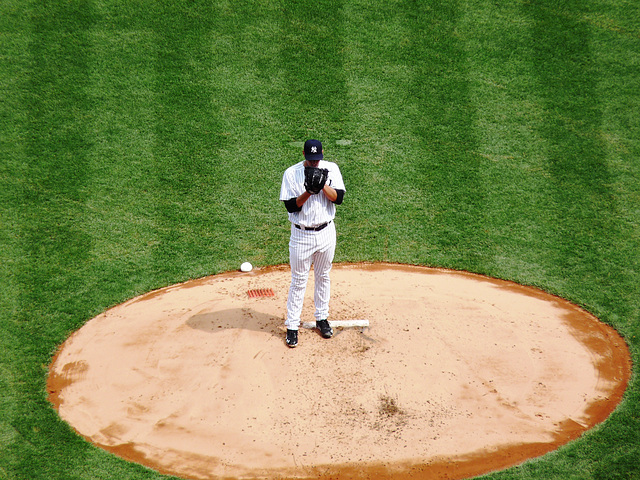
315 179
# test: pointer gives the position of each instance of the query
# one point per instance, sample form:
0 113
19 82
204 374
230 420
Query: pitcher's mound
457 375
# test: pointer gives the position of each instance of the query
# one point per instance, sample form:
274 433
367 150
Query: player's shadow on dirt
239 318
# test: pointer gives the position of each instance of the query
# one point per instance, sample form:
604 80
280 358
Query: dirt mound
457 375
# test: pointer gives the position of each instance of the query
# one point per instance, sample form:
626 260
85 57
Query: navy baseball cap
313 150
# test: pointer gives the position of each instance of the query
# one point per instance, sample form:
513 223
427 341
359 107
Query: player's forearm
330 193
302 198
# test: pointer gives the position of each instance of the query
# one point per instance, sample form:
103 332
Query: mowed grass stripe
54 246
567 79
14 61
450 167
121 206
188 167
505 105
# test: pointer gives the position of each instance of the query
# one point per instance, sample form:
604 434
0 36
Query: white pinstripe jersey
318 209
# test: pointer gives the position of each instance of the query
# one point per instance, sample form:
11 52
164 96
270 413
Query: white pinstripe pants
306 248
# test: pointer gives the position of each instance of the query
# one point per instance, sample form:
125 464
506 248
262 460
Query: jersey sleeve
287 189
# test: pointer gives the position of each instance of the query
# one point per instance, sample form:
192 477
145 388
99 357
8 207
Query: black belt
313 229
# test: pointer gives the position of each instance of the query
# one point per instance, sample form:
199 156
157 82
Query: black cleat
325 328
292 338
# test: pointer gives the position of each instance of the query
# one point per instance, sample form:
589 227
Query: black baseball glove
314 179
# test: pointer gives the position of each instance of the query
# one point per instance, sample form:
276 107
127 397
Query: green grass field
143 143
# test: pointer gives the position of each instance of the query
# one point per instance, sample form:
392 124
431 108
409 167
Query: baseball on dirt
246 267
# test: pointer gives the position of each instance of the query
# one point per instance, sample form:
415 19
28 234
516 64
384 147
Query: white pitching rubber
340 323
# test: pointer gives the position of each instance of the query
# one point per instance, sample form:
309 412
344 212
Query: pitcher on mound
310 190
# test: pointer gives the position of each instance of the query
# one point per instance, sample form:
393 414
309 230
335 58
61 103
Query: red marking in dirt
261 292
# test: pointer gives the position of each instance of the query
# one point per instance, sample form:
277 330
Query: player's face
311 163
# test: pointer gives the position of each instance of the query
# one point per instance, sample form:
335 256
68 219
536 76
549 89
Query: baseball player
310 190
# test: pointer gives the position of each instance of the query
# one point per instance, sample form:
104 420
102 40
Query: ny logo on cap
314 149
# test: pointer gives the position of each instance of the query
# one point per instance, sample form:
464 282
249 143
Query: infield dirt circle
457 375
